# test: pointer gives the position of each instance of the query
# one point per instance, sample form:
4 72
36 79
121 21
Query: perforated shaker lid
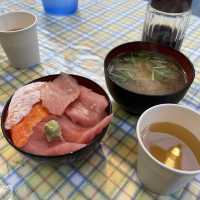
171 6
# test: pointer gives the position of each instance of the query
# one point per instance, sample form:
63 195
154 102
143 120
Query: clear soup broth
147 72
172 145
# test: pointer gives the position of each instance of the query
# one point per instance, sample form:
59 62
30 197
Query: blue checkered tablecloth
78 44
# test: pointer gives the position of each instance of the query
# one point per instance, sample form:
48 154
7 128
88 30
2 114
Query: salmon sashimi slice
39 145
59 93
88 109
22 102
21 132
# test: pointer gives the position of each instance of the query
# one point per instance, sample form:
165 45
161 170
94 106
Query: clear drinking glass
167 21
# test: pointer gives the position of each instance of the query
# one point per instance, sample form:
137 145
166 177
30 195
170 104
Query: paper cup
155 175
18 37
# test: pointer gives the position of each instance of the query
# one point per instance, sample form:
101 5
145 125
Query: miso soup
147 72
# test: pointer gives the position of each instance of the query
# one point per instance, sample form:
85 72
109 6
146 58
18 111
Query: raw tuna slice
88 109
63 148
22 102
93 100
71 132
39 145
75 137
57 95
74 133
89 134
82 115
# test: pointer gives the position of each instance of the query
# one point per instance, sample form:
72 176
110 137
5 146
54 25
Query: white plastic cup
18 37
155 175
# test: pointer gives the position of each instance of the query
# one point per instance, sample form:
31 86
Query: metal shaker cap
171 6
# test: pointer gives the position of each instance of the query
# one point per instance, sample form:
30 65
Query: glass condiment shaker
166 22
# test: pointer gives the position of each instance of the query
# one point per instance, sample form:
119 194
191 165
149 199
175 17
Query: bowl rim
155 45
53 76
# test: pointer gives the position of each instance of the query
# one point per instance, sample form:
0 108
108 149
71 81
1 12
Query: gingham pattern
78 44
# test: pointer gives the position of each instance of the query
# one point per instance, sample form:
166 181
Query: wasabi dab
52 130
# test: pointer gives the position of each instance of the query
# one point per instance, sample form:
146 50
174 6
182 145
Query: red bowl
82 153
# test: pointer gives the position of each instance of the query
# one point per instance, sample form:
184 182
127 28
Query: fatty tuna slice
63 148
90 133
88 109
82 115
39 145
92 100
22 102
75 137
72 132
59 93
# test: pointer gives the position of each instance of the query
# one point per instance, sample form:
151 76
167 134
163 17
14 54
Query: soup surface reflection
147 73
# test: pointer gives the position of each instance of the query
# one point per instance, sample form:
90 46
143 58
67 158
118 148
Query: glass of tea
168 150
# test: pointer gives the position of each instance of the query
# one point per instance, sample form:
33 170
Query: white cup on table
155 175
18 37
